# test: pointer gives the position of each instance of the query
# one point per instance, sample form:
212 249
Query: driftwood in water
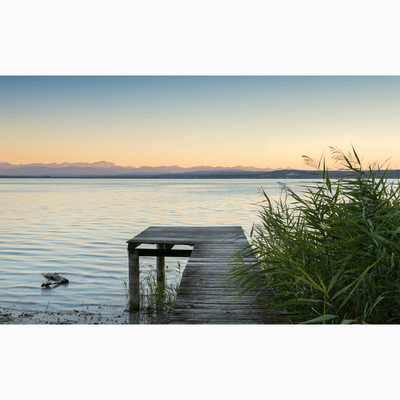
57 278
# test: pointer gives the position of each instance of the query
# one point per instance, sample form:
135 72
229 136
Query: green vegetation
331 253
153 296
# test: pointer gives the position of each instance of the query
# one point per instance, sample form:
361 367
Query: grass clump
332 253
158 296
155 296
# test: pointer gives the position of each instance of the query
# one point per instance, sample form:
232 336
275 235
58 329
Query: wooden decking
202 296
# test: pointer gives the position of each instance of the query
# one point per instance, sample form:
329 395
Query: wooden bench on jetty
202 295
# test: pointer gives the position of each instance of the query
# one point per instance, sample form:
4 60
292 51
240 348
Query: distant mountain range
106 168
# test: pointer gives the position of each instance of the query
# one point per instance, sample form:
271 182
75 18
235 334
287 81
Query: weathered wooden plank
240 311
204 274
242 301
208 271
228 321
191 230
190 301
188 233
194 295
227 245
213 289
220 279
195 259
227 250
199 297
207 276
230 294
217 264
218 252
213 292
214 317
221 321
177 241
211 272
163 253
244 304
219 260
232 250
224 306
237 313
230 257
240 308
218 319
221 250
203 271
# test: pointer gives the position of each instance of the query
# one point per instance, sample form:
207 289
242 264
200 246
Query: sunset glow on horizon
227 121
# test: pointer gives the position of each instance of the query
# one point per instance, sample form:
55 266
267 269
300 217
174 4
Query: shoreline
10 316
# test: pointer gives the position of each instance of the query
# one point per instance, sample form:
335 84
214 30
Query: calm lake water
79 228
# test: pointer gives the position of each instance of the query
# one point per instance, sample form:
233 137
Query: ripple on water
79 227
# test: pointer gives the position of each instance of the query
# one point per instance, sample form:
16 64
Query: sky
260 121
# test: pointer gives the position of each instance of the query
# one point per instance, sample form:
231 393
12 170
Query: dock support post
161 266
134 297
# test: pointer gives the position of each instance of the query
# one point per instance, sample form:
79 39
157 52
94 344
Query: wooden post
161 265
134 297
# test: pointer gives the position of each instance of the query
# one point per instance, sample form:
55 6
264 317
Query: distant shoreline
92 178
278 174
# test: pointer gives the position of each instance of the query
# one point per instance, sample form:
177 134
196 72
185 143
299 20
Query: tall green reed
332 253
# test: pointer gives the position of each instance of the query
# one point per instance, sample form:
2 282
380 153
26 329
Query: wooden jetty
202 297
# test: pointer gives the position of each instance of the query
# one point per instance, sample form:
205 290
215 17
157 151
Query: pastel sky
260 121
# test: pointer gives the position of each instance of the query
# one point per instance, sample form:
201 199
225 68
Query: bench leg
161 266
134 280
